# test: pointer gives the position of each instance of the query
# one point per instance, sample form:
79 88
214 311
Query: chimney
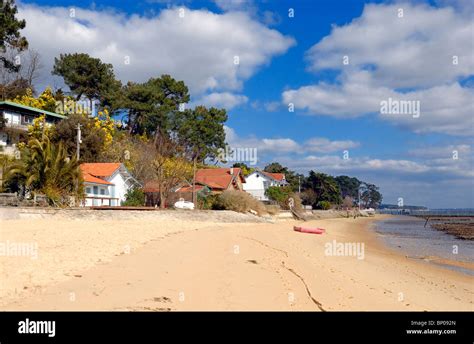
231 171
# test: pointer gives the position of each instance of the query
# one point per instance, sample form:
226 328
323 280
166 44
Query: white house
106 183
259 181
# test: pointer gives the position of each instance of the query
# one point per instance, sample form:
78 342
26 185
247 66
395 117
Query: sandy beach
163 261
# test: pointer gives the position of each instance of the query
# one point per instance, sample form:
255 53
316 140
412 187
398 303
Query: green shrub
281 195
323 205
134 198
208 202
278 194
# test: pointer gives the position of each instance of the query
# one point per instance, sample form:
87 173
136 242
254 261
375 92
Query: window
96 190
102 191
28 120
88 190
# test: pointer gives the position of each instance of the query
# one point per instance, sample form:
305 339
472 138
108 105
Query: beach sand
168 263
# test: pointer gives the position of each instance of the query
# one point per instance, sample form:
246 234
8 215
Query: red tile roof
217 178
91 179
190 188
100 169
214 178
95 172
276 176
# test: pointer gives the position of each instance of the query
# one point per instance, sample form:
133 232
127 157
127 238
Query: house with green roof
17 118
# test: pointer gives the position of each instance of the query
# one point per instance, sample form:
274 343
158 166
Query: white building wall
121 187
256 184
112 195
98 196
12 118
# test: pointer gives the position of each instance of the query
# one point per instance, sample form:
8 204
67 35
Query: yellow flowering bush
104 122
40 128
177 168
45 101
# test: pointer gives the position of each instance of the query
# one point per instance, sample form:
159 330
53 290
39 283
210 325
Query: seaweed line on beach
461 230
316 302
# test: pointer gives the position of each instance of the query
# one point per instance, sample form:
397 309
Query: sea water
410 235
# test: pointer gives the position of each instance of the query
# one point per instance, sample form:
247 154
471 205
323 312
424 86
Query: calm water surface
409 235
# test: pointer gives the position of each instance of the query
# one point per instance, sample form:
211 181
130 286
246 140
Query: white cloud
352 97
337 164
198 48
448 159
225 99
288 145
445 108
411 51
441 152
324 145
285 145
408 58
426 164
280 145
435 162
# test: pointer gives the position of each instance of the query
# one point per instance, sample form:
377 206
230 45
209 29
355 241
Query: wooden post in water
427 219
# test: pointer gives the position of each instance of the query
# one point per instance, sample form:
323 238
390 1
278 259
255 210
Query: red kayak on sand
309 230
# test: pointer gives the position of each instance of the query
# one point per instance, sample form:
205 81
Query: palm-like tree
46 168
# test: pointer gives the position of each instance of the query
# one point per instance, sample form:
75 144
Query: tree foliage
324 186
370 196
349 186
47 169
151 107
282 194
135 152
323 205
309 197
170 172
134 197
278 194
14 83
14 89
246 170
38 129
93 136
87 76
10 37
201 132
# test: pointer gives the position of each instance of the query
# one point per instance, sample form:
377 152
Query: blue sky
403 55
